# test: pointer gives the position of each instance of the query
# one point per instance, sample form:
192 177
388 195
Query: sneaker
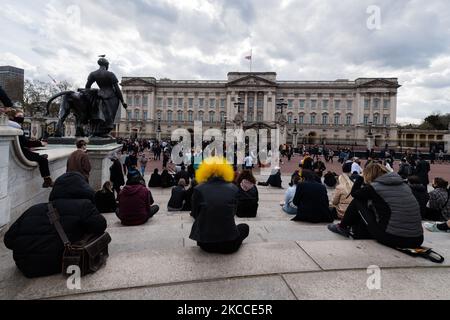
336 228
432 227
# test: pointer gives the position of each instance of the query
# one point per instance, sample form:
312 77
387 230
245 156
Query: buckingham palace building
316 112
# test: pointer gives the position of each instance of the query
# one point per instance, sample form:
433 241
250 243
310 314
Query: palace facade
332 112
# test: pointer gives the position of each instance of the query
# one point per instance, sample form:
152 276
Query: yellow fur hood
214 167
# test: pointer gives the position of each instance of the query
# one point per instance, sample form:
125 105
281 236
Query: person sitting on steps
383 208
214 205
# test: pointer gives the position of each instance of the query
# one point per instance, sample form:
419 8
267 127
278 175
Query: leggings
364 225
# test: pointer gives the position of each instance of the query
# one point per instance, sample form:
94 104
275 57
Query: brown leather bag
89 254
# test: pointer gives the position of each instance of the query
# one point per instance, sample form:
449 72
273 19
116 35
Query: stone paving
281 259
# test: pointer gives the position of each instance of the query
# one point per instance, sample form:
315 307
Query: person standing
143 162
79 160
116 175
422 170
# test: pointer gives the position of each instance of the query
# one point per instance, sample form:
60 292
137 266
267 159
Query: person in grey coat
383 209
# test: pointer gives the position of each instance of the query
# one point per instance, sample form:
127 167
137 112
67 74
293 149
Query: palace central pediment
251 80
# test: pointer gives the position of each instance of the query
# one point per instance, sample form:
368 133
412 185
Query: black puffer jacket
37 248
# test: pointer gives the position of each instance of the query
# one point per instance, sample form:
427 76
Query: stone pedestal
99 156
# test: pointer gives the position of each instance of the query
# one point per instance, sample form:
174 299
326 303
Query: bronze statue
103 112
94 107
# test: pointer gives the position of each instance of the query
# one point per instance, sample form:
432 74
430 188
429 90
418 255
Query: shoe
336 228
432 227
48 183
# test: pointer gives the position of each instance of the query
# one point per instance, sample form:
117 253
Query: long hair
214 167
374 171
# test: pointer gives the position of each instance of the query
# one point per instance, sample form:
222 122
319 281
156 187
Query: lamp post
295 134
239 119
370 137
158 130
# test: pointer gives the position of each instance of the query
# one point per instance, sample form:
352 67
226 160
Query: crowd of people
369 200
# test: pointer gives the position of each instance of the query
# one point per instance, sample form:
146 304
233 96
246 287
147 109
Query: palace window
190 116
170 102
366 104
180 116
337 119
130 100
349 104
191 103
222 103
313 104
169 116
290 103
200 116
302 104
260 117
376 103
145 101
290 118
337 104
366 120
136 115
137 101
211 117
313 119
160 102
145 116
212 103
129 115
180 102
324 119
325 104
348 120
386 104
201 102
301 119
386 120
222 117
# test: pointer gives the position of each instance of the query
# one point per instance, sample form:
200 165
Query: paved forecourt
281 259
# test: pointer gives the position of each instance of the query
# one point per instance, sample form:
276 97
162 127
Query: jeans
289 210
227 247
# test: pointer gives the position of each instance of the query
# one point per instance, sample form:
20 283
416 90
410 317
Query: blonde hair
214 167
374 171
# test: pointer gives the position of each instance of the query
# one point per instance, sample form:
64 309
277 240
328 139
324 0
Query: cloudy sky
205 39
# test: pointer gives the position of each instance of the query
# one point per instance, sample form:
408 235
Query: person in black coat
311 200
420 192
188 196
155 180
177 197
116 175
166 179
105 200
422 170
183 174
247 196
37 248
214 205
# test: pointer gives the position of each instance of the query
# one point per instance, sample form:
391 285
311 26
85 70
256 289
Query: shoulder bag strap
54 220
